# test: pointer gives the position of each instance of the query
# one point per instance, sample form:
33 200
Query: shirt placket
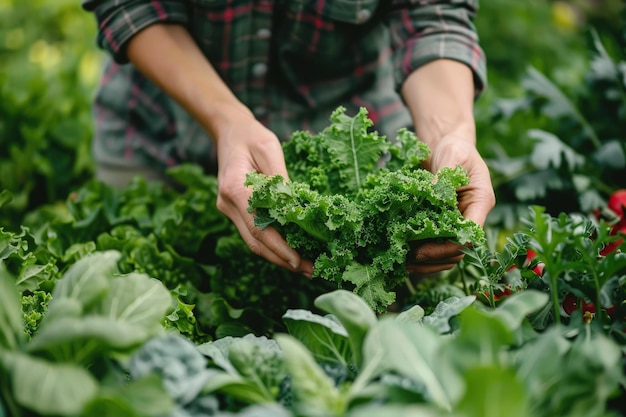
259 65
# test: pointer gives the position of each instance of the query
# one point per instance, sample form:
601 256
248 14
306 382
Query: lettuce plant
355 202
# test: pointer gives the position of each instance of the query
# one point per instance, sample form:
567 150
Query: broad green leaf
81 338
314 394
143 397
130 312
515 308
599 357
265 410
217 351
137 300
414 314
539 371
11 324
480 340
50 388
235 386
64 308
324 337
252 365
88 279
493 392
445 310
397 410
353 313
410 350
260 362
575 378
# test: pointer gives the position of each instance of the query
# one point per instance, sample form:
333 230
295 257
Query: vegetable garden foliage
202 339
219 287
48 70
94 317
464 359
576 148
355 203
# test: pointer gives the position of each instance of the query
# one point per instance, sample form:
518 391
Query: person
225 81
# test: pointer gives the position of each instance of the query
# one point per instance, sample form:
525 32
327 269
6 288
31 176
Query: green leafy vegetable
354 214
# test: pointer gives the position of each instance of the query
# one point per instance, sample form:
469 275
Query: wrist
437 129
220 116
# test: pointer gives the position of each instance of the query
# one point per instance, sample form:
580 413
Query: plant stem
410 286
463 280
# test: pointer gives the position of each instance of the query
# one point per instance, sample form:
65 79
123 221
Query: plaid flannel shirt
290 61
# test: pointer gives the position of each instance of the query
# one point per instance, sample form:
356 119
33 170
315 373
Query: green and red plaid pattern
290 61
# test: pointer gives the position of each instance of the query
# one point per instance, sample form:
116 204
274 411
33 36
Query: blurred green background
49 67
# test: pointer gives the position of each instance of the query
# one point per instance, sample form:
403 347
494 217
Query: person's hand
243 147
475 201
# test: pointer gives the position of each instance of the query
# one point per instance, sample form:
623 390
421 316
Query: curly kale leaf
320 216
339 158
359 230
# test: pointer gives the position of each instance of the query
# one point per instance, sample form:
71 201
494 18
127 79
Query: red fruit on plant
611 247
617 204
571 304
530 255
498 294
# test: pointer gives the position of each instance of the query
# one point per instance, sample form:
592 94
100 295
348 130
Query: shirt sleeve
119 20
425 30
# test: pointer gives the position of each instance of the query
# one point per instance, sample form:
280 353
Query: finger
477 213
429 269
432 251
267 243
272 246
478 199
437 261
271 163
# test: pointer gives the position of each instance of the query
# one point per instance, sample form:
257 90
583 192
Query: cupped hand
242 148
475 201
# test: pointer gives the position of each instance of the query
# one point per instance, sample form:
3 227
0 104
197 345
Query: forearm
440 98
168 55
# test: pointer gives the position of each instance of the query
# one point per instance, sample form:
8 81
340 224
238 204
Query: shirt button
362 15
259 70
263 33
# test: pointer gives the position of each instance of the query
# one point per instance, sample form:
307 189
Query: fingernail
419 256
308 275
